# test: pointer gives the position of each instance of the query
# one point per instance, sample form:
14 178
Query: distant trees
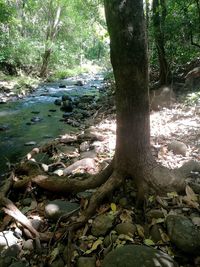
51 33
60 34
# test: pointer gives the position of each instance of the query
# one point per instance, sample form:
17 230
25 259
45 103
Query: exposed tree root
55 183
14 212
114 181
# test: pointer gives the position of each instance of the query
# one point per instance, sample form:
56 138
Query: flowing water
36 119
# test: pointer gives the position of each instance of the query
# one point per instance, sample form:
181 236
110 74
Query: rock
163 97
67 106
7 239
84 146
58 102
138 256
66 115
36 223
66 97
28 245
12 251
93 136
26 201
18 264
17 233
57 208
5 262
155 233
183 233
196 221
88 154
126 228
101 224
66 139
123 202
62 86
86 164
86 262
192 79
31 143
57 263
87 99
178 147
36 119
155 213
109 239
3 128
79 83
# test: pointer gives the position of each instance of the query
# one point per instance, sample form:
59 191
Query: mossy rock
138 256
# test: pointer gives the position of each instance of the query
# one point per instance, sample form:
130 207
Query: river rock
26 201
12 251
155 233
36 119
3 128
88 154
57 263
84 146
92 135
138 256
86 164
18 264
102 224
62 86
57 208
31 143
67 139
126 228
67 106
7 239
86 262
162 97
28 245
79 83
58 102
66 97
87 98
183 233
178 147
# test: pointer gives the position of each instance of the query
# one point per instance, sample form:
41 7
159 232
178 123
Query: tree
133 158
53 15
159 16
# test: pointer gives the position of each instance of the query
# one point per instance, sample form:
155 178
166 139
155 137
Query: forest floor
175 139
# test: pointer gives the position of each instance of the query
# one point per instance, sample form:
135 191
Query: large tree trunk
130 65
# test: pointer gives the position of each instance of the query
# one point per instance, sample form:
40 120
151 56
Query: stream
36 119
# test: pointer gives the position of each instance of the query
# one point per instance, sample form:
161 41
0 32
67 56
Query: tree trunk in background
45 63
159 15
52 30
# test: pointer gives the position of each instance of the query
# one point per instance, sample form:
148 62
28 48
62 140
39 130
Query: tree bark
130 65
52 30
159 15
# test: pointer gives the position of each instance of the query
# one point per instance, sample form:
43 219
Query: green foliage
192 98
181 21
82 34
65 73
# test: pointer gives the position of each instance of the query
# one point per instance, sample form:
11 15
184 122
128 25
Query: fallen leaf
113 207
149 242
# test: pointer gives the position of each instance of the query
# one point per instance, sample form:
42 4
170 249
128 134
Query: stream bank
49 111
